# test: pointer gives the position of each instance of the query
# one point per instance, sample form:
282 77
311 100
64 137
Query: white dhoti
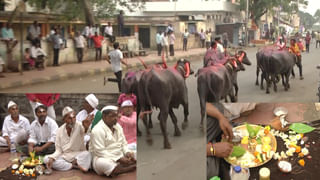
103 166
60 164
133 148
22 135
50 110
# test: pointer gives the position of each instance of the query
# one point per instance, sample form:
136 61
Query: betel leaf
237 151
301 128
252 131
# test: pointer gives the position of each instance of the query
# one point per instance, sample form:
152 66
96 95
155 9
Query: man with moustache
70 149
43 132
15 128
108 146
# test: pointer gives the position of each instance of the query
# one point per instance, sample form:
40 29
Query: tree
306 20
88 10
258 8
317 15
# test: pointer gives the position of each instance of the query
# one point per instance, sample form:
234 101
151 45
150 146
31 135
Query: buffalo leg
274 80
268 81
293 75
261 83
163 116
150 120
149 138
175 123
202 97
257 79
287 86
186 114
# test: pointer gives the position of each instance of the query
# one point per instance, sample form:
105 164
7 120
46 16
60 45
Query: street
300 91
186 159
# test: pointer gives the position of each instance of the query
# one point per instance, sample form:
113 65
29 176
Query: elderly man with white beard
43 132
70 149
15 128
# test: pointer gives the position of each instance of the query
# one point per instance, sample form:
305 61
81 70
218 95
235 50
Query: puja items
264 174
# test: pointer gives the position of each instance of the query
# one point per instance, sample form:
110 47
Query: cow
165 89
219 81
273 63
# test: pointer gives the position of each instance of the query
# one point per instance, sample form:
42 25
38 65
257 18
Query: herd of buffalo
162 87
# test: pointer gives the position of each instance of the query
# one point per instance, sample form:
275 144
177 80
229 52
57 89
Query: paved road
186 159
301 90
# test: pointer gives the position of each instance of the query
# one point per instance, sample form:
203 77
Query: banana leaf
237 151
252 131
301 128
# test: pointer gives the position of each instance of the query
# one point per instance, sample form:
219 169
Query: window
192 28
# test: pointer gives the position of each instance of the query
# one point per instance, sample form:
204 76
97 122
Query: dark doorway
144 37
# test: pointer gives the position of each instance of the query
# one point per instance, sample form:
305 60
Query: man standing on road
318 39
308 39
294 48
98 40
79 41
172 38
185 39
55 39
202 38
115 58
158 40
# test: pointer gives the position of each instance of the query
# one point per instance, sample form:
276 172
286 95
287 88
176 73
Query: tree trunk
14 13
88 12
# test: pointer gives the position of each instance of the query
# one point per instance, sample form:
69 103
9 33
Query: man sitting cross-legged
108 145
70 149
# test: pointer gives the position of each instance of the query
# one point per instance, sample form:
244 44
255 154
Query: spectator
158 41
165 44
96 29
62 36
115 58
7 36
79 43
225 40
87 32
308 39
28 57
318 39
108 32
120 23
98 40
208 39
56 41
219 45
169 28
185 39
1 67
128 122
172 38
38 55
34 33
46 99
202 38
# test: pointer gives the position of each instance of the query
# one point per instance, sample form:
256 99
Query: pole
247 21
21 43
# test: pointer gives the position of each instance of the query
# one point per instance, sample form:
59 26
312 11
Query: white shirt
220 48
86 31
79 41
35 52
105 144
186 35
115 58
11 129
69 146
45 133
34 31
108 30
164 41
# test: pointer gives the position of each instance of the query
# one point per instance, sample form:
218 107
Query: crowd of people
104 140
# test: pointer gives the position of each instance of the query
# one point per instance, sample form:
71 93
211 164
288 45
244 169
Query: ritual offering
256 147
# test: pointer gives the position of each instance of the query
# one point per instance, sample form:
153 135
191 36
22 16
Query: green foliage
306 19
258 8
74 9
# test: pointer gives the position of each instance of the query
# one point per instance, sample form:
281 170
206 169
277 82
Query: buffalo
165 88
219 81
272 63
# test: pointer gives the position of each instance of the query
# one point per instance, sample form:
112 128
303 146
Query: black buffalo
165 88
274 63
219 81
